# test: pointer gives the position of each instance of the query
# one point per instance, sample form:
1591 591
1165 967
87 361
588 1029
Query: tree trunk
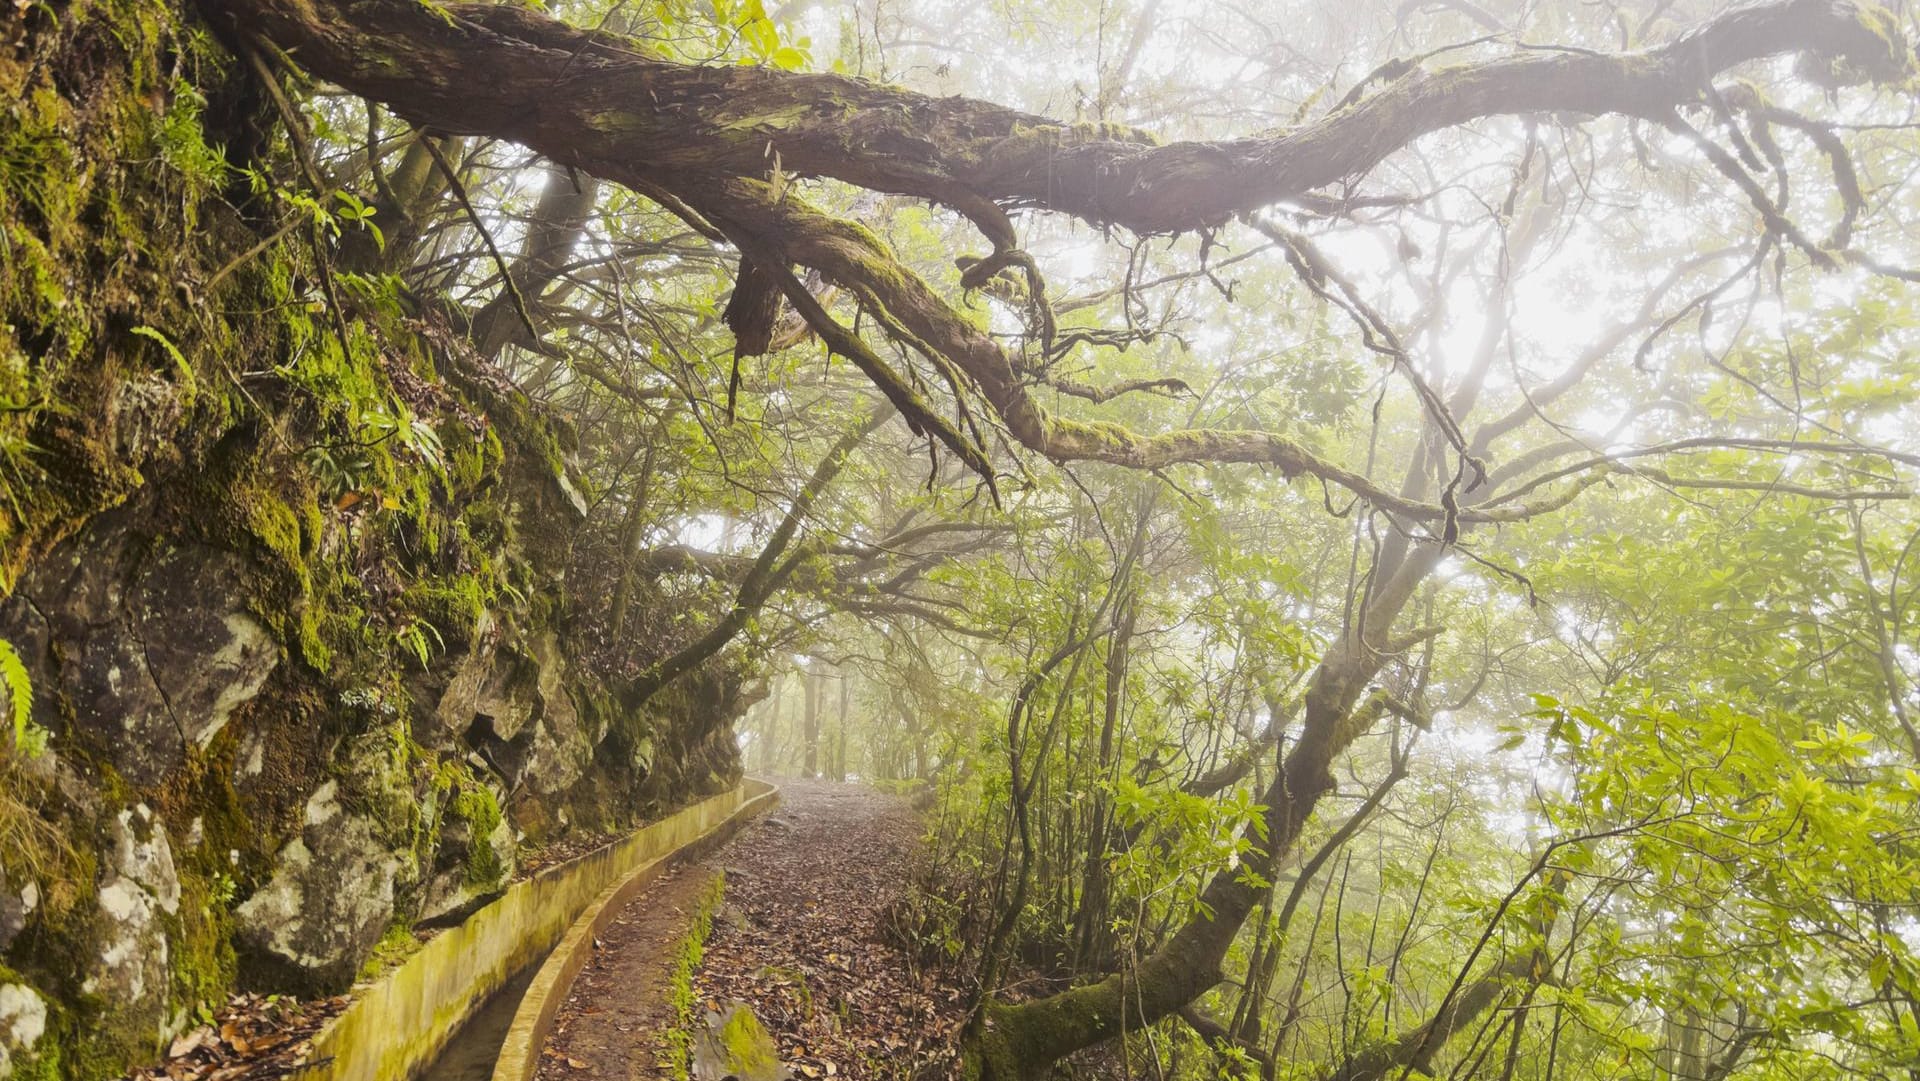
560 220
770 731
768 574
1021 1042
810 765
1093 938
840 739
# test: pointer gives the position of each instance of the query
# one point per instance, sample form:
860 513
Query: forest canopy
1383 531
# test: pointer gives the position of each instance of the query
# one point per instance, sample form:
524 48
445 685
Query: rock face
249 783
328 903
137 904
298 686
23 1022
152 651
470 868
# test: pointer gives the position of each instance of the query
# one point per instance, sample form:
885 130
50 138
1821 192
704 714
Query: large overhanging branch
601 103
699 138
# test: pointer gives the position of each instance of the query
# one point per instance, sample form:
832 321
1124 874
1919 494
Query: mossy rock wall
299 688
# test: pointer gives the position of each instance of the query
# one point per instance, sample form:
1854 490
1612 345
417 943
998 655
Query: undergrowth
677 1044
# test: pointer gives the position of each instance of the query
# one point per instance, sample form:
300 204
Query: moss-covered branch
605 104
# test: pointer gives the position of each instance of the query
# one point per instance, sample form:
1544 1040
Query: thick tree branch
603 104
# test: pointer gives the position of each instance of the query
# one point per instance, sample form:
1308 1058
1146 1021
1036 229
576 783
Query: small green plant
338 469
413 635
28 842
677 1043
184 371
356 211
182 138
29 739
411 431
15 469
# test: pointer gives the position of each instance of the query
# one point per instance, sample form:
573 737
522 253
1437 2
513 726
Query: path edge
396 1027
540 1007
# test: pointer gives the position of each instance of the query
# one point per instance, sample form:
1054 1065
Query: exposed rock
454 888
329 901
513 706
734 1046
206 654
146 412
139 893
252 759
456 703
147 669
23 1020
375 778
16 904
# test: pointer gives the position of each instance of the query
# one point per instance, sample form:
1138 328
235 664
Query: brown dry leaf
185 1044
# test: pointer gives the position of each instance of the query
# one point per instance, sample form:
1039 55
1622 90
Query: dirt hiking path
801 938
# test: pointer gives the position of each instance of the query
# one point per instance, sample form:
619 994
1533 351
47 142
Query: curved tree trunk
1014 1043
698 139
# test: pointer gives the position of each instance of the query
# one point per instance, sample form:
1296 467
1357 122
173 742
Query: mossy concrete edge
396 1027
540 1006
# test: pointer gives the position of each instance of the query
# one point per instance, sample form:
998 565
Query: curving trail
801 938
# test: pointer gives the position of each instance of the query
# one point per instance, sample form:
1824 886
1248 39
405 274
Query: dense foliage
1451 616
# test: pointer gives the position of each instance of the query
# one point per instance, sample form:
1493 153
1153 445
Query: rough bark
1414 1051
559 222
697 138
602 103
810 734
1093 939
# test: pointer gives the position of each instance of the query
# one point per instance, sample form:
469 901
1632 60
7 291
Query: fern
183 370
13 672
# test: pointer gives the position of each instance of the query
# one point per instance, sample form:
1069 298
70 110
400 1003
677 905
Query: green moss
394 948
678 1039
453 604
470 461
202 955
272 523
310 638
474 804
749 1049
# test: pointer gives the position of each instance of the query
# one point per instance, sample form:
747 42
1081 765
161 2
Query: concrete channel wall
396 1027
